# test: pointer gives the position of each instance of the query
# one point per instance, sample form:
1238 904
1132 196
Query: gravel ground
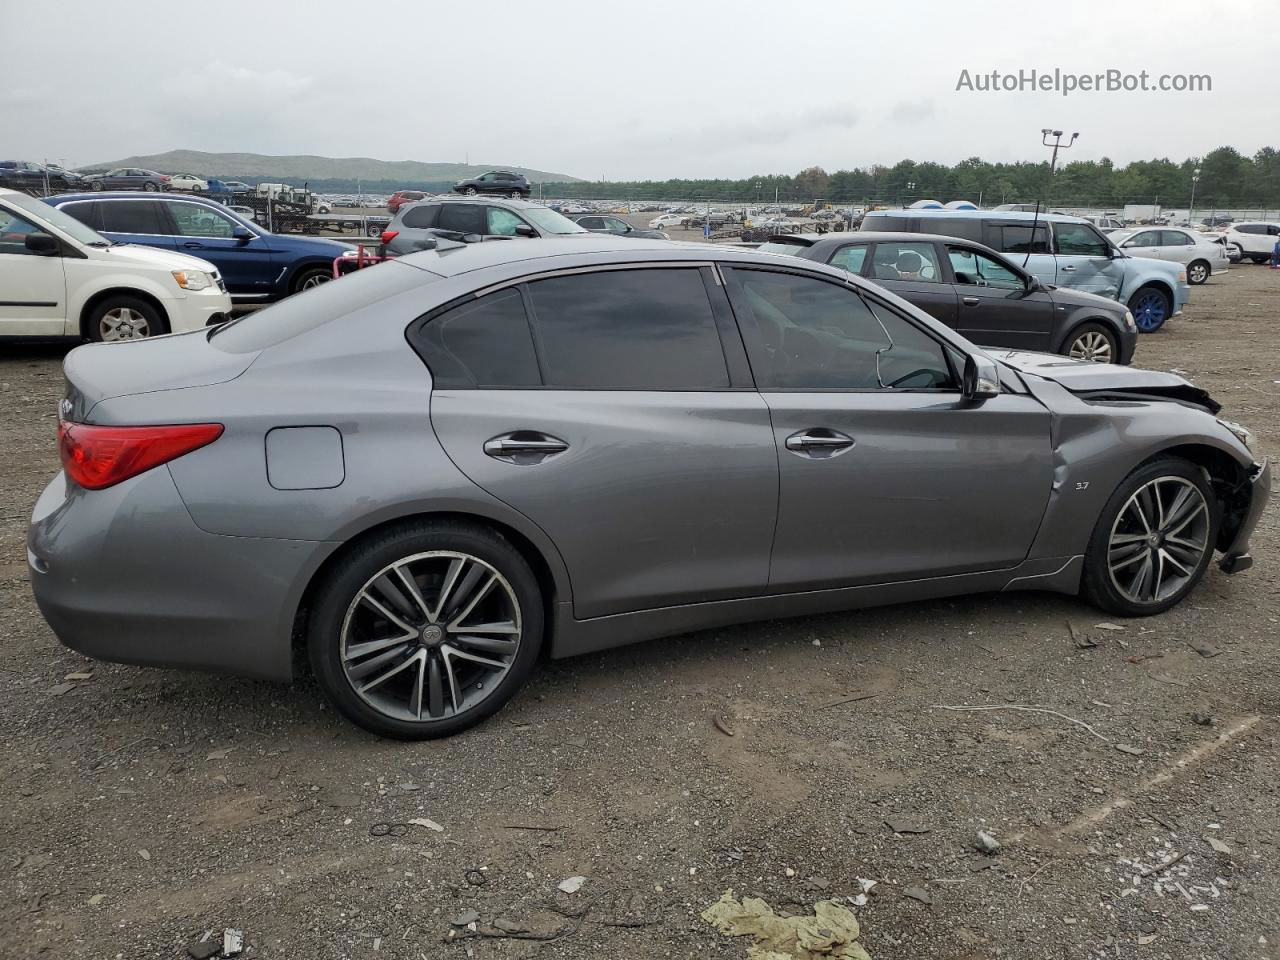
146 807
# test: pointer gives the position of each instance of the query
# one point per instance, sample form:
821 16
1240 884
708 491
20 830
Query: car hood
320 246
155 257
1106 380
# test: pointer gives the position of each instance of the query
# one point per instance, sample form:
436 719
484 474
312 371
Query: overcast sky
627 90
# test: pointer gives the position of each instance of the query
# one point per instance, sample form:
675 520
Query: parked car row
434 470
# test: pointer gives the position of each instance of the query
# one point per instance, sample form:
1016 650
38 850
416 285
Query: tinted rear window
132 216
305 311
628 330
482 343
462 217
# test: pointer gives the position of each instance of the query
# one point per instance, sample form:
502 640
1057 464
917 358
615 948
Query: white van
59 278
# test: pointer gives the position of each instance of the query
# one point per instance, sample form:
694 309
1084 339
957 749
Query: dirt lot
143 808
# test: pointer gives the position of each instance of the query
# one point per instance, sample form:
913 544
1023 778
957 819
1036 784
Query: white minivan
59 278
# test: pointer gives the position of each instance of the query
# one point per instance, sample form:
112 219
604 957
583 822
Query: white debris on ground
1166 872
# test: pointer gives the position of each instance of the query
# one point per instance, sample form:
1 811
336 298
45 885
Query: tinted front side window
422 217
86 211
628 330
132 216
14 231
1079 240
462 217
1148 238
814 335
483 343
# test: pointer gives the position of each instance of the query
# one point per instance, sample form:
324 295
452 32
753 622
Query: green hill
319 171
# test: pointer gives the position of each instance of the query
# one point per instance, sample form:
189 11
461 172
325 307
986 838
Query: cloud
912 111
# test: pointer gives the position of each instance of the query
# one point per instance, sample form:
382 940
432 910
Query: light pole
1195 178
911 186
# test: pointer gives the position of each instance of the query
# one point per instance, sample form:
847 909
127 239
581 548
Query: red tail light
389 235
97 457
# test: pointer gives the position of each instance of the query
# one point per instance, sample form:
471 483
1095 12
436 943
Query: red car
402 197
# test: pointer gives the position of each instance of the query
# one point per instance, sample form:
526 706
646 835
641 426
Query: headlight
1129 321
192 279
1241 433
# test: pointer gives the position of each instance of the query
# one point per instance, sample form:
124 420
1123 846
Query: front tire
1153 541
149 187
470 192
98 185
121 317
1093 342
1150 307
1258 258
426 630
1198 272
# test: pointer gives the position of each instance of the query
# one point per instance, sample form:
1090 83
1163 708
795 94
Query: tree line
1226 178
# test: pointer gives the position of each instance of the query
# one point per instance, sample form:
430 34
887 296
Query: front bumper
124 574
197 309
1237 557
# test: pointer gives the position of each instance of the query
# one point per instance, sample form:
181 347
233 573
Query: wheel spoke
1184 501
421 607
499 645
456 567
507 627
383 612
1190 513
1158 564
476 597
1130 559
415 698
474 658
393 594
1183 555
435 690
1167 556
1141 578
371 666
355 651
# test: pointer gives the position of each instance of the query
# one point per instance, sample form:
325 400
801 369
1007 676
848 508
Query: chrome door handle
971 301
1068 266
818 442
524 447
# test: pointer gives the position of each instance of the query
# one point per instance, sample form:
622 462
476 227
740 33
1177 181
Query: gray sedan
432 470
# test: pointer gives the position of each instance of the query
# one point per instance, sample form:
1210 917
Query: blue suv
258 266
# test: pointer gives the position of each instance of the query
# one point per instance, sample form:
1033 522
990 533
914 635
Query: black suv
502 182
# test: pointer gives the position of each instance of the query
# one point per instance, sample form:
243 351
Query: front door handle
524 447
1068 267
193 245
971 301
819 443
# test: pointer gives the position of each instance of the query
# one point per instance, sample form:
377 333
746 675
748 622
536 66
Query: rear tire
1094 342
1169 539
98 185
121 317
1256 258
149 187
311 278
376 688
1151 307
1198 272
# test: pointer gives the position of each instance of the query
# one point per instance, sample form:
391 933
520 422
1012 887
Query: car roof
978 214
58 198
583 250
873 236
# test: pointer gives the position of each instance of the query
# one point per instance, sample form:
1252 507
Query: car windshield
548 221
55 217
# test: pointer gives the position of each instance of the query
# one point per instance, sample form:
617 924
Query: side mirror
981 379
42 244
243 234
1034 285
524 230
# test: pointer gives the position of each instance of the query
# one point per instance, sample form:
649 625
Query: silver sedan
1202 255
